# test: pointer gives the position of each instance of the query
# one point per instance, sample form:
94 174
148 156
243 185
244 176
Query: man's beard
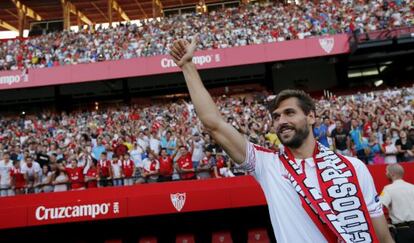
297 140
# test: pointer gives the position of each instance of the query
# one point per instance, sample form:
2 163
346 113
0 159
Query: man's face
388 174
291 123
338 125
183 150
354 123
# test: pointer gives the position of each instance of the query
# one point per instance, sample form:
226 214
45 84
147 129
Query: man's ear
311 118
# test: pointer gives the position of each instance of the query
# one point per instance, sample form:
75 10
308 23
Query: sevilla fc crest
327 44
178 200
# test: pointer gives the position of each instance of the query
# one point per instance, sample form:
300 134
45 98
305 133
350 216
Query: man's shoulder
358 165
260 148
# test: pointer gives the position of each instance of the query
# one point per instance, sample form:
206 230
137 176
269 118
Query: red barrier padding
148 199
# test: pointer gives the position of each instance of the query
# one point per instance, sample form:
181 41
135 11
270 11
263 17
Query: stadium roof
95 11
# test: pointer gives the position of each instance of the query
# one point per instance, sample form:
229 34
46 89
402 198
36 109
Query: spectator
204 169
104 170
32 171
197 145
151 168
6 165
154 142
184 164
128 168
46 180
92 176
320 131
168 142
17 178
136 154
389 150
75 174
398 197
222 167
117 172
405 148
166 165
61 180
375 153
341 142
357 140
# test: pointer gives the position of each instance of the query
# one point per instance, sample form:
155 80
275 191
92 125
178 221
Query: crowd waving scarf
338 209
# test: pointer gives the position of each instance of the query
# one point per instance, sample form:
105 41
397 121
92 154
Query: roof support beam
141 8
115 6
69 8
100 11
8 26
157 9
26 10
22 21
110 12
22 12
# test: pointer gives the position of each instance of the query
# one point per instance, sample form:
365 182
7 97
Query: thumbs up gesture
182 51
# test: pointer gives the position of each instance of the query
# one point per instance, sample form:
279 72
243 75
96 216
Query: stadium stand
272 22
132 138
123 143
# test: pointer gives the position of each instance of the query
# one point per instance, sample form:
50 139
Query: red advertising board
287 50
144 200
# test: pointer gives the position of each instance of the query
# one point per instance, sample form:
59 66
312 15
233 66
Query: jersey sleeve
249 163
368 188
258 159
385 198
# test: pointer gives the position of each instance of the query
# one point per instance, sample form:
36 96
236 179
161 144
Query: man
6 165
320 131
398 197
305 176
340 139
184 164
151 168
32 171
357 140
76 176
166 166
198 144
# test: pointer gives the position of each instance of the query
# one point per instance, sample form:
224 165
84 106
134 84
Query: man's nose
282 120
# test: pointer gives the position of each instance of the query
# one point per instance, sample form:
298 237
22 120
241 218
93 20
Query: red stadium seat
221 237
185 238
113 241
258 236
148 239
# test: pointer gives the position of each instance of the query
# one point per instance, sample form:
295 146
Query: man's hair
396 170
305 102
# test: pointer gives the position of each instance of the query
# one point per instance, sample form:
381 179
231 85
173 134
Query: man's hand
182 52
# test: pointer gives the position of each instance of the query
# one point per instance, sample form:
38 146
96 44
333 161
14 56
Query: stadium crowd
130 144
243 25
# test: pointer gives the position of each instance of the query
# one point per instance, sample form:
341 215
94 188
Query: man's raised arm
226 135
